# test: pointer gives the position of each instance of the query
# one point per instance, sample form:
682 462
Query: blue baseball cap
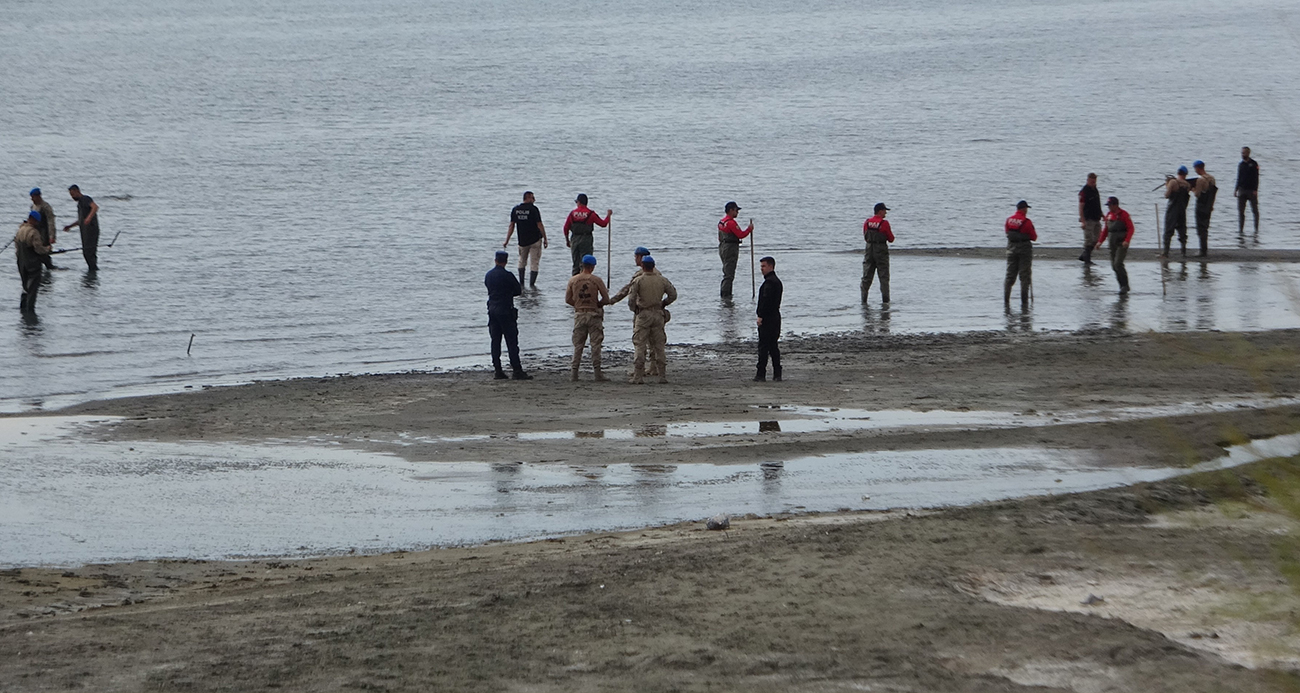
502 255
1182 169
642 250
35 191
1197 163
589 260
34 215
647 260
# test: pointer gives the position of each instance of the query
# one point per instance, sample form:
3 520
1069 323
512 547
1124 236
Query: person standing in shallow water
1119 229
526 218
729 237
49 232
88 220
1020 252
578 230
769 320
29 247
878 235
652 368
503 318
1089 217
1179 192
1205 189
1247 190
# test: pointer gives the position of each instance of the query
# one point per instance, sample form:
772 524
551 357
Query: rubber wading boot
521 375
1086 257
760 377
532 279
521 276
1006 293
600 377
501 375
776 374
573 374
1184 245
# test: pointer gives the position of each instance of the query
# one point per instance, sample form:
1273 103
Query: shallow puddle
65 501
801 419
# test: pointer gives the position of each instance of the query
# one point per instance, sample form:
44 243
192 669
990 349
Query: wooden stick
753 283
609 245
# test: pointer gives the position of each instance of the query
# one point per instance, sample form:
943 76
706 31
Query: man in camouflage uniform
650 296
652 368
588 295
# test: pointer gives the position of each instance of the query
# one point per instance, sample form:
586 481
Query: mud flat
1183 584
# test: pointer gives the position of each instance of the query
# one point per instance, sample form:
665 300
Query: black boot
501 375
776 373
1086 257
520 375
761 377
521 276
532 279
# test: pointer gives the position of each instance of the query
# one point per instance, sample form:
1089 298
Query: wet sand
1191 578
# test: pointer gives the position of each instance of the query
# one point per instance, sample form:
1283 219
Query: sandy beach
1186 584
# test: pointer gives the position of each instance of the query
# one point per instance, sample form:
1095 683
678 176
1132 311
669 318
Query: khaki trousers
648 336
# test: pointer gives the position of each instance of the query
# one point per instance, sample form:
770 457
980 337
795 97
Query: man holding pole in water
49 232
1119 228
532 236
1179 192
1205 190
878 235
88 220
729 237
1020 253
29 246
579 224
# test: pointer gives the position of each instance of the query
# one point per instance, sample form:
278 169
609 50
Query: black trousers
505 325
1203 227
90 247
31 280
768 335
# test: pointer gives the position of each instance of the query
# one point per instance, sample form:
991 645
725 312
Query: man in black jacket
1247 190
769 320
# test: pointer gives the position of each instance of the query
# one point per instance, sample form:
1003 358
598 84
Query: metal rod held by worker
609 249
191 345
110 243
753 283
65 250
1160 245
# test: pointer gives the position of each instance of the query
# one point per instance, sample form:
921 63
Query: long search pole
609 245
753 283
1160 244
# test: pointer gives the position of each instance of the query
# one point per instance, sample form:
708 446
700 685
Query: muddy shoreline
1186 581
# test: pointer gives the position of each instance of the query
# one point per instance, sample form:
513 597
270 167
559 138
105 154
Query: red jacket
878 225
729 225
1020 223
1113 216
582 215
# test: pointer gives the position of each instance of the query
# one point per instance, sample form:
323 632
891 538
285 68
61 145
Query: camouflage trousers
648 338
586 326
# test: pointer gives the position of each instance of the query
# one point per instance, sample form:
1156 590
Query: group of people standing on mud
37 234
649 293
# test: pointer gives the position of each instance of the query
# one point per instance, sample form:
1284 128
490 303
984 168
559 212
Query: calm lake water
318 187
